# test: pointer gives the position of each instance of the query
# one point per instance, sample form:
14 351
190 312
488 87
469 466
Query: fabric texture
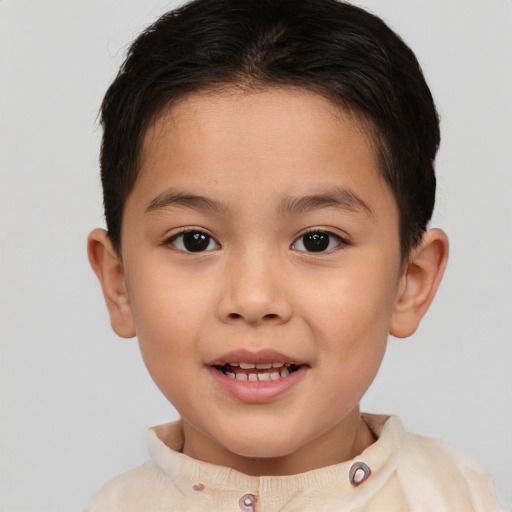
399 472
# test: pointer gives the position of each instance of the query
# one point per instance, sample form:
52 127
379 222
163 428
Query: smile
254 372
257 376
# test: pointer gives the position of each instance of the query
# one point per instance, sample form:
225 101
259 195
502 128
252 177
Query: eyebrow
182 199
337 197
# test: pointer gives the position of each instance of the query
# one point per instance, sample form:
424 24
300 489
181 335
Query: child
267 169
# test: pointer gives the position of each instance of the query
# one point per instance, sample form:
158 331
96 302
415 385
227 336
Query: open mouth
257 371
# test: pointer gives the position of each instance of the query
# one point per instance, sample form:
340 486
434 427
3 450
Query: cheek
350 324
351 313
170 314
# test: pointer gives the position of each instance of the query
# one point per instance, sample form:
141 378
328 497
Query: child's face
291 255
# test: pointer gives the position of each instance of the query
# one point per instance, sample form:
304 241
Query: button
359 473
247 503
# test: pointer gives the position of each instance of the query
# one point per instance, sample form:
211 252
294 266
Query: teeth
263 366
259 376
259 366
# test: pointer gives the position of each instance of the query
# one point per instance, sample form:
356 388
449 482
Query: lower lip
256 391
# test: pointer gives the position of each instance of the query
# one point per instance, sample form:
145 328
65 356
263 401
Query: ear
108 267
419 282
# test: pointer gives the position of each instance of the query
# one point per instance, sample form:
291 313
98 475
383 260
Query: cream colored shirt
399 472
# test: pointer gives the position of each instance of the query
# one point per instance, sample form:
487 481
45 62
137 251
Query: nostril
270 316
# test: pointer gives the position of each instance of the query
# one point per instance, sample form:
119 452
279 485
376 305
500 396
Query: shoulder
132 491
430 470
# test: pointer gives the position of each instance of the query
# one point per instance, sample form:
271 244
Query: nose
254 292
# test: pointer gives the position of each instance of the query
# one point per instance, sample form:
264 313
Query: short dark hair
327 46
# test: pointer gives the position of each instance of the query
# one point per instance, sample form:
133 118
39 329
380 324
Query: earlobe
420 282
109 269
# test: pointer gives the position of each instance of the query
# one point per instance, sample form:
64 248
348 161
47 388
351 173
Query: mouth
257 377
254 372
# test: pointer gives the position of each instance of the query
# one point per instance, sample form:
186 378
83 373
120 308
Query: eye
193 241
317 241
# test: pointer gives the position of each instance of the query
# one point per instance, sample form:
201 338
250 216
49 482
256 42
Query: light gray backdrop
76 401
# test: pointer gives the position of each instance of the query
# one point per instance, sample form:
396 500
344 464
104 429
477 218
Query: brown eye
194 241
317 241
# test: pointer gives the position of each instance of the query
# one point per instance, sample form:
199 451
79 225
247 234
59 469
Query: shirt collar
370 470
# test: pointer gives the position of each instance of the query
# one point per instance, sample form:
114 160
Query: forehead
272 140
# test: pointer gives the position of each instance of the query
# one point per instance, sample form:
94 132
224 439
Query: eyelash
204 241
340 241
178 239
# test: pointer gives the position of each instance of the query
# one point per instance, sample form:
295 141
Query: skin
253 156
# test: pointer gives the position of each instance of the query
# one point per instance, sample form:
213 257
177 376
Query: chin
263 445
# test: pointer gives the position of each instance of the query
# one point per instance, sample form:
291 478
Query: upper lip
247 356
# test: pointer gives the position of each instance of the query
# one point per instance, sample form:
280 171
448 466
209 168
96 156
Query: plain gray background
76 401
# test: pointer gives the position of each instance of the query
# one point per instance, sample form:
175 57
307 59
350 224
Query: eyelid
175 234
343 239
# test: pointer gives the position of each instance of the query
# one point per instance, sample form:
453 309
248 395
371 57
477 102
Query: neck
347 439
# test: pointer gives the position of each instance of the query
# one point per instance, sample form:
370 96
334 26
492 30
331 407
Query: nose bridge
253 289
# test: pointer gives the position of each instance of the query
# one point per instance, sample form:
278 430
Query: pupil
316 242
195 241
